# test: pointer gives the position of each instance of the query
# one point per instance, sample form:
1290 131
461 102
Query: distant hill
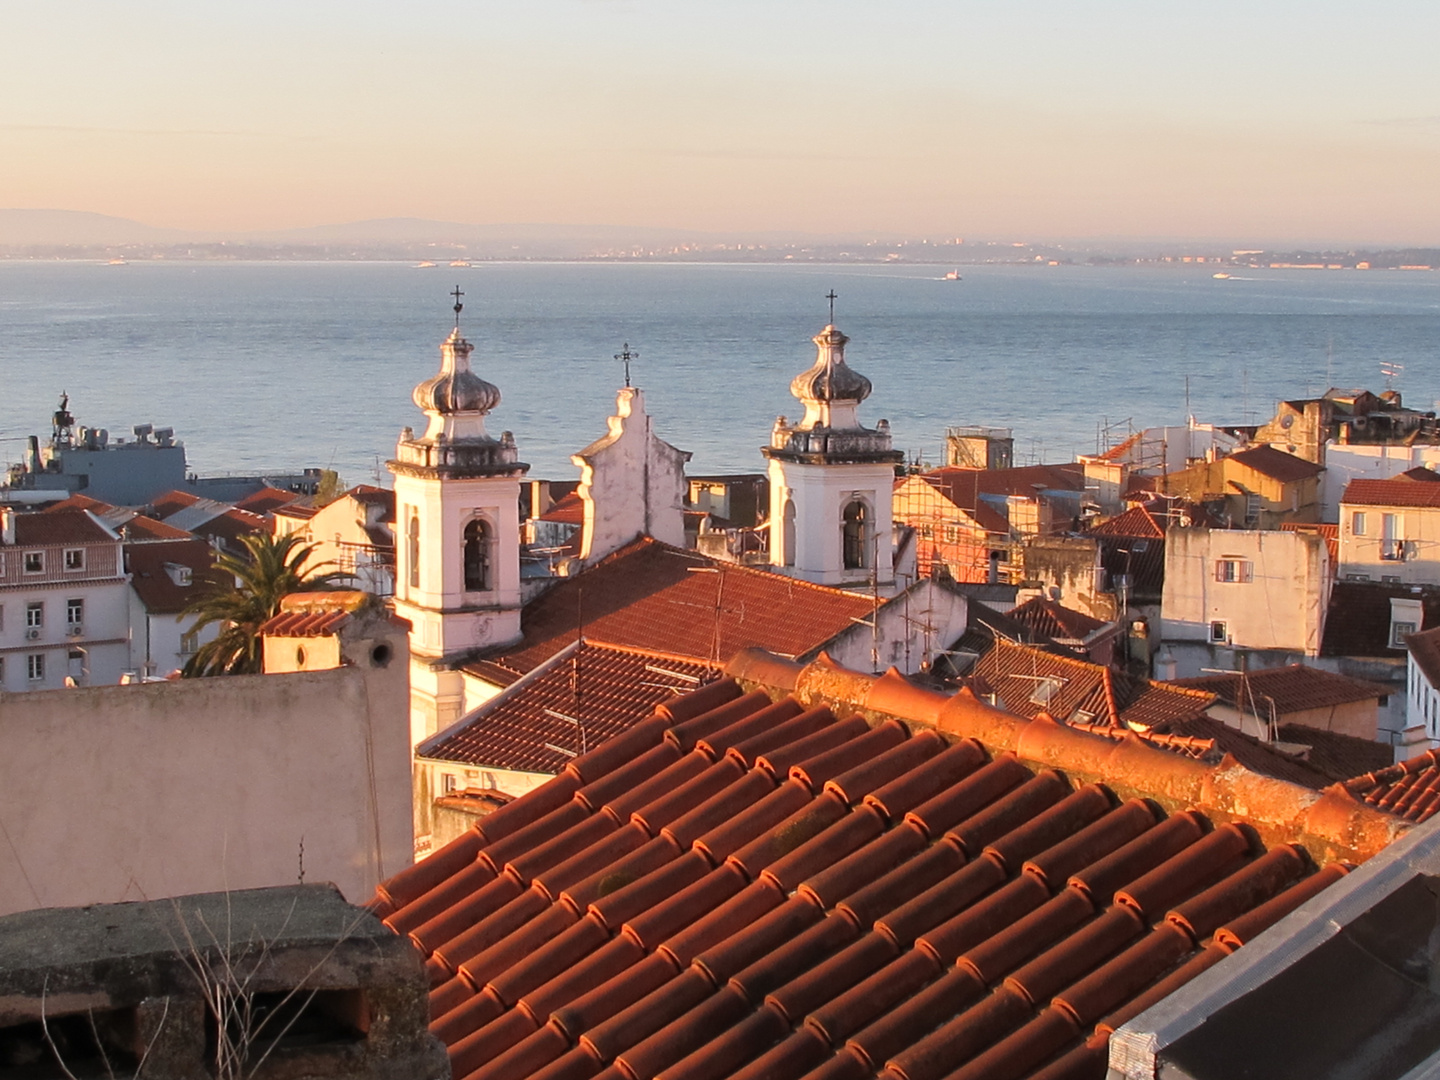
32 228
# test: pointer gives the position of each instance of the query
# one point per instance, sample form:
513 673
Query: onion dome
830 380
456 389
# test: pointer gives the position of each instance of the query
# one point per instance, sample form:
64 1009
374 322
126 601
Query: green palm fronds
252 583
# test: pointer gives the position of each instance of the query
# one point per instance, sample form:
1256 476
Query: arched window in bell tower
413 553
788 532
477 556
854 536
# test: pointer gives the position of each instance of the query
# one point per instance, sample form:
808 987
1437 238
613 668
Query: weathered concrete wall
127 792
1277 601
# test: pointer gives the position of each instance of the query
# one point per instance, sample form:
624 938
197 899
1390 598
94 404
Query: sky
1259 121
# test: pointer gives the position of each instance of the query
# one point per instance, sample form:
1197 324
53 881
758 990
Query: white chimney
7 525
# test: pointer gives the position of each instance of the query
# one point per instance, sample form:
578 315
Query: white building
1390 530
1345 462
831 478
632 483
64 601
1230 592
457 496
1423 688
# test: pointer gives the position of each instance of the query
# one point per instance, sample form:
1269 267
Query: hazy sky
1269 121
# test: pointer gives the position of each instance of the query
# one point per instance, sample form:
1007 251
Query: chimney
7 525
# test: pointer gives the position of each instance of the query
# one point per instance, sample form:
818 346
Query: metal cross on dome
457 294
831 297
625 355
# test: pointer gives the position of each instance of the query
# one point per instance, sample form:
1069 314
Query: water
283 365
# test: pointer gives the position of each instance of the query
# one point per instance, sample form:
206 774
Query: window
1234 569
34 616
787 524
1392 542
449 780
854 536
1398 631
477 556
74 612
74 558
413 552
1357 523
1045 689
35 667
189 642
34 562
1252 508
1219 633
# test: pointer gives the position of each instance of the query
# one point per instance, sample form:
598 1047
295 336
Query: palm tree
247 593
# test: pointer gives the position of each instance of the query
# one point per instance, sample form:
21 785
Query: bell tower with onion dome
831 477
457 534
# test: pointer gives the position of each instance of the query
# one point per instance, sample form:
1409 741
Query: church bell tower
831 477
457 532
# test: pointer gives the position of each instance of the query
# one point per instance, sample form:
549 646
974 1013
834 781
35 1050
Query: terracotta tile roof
317 613
746 889
1121 450
1277 464
1338 756
1257 756
1030 681
1357 622
142 529
649 595
1424 649
295 510
610 689
1391 493
162 506
1331 533
60 527
1135 522
569 511
232 524
1294 688
1052 620
375 496
1410 790
267 499
1421 473
152 582
81 502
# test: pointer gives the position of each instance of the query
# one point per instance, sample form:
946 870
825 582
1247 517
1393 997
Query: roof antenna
457 294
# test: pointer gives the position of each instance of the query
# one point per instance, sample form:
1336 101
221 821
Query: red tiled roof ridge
637 650
1113 526
573 929
1354 833
1391 492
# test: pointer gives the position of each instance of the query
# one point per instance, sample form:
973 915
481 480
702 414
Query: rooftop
604 687
1291 689
154 583
1410 790
1049 618
56 527
1357 622
1276 464
648 595
569 510
1397 492
841 873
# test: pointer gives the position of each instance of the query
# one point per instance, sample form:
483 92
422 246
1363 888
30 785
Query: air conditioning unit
75 630
32 634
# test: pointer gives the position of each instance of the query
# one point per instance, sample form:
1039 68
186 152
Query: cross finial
625 356
457 294
831 297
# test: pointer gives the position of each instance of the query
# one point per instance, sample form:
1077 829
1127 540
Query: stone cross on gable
625 355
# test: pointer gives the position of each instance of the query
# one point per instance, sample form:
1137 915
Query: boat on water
953 275
423 265
458 262
1220 277
116 262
